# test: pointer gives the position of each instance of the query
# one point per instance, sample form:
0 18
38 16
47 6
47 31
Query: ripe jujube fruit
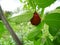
35 19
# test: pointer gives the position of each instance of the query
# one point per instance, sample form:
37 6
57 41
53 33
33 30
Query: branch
3 18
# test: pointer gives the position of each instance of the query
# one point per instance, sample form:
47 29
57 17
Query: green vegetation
45 33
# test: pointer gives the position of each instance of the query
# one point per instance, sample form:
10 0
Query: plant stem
42 14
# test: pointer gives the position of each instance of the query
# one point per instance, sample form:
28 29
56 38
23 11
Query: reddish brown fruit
35 19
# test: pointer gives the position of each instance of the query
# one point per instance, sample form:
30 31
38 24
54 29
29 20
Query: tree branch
3 18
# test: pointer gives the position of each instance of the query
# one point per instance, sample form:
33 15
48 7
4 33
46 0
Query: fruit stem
33 4
42 14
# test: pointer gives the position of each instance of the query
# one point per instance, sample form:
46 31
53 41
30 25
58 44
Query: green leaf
20 0
56 41
36 33
58 7
48 42
32 3
40 3
55 11
53 20
25 17
2 29
37 42
44 3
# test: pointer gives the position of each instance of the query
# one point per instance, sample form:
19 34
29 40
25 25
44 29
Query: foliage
46 33
53 21
37 3
2 29
8 13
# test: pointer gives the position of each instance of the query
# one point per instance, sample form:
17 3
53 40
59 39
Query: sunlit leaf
25 17
36 33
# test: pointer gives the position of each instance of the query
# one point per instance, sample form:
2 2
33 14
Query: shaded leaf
53 20
44 3
56 41
48 42
58 7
